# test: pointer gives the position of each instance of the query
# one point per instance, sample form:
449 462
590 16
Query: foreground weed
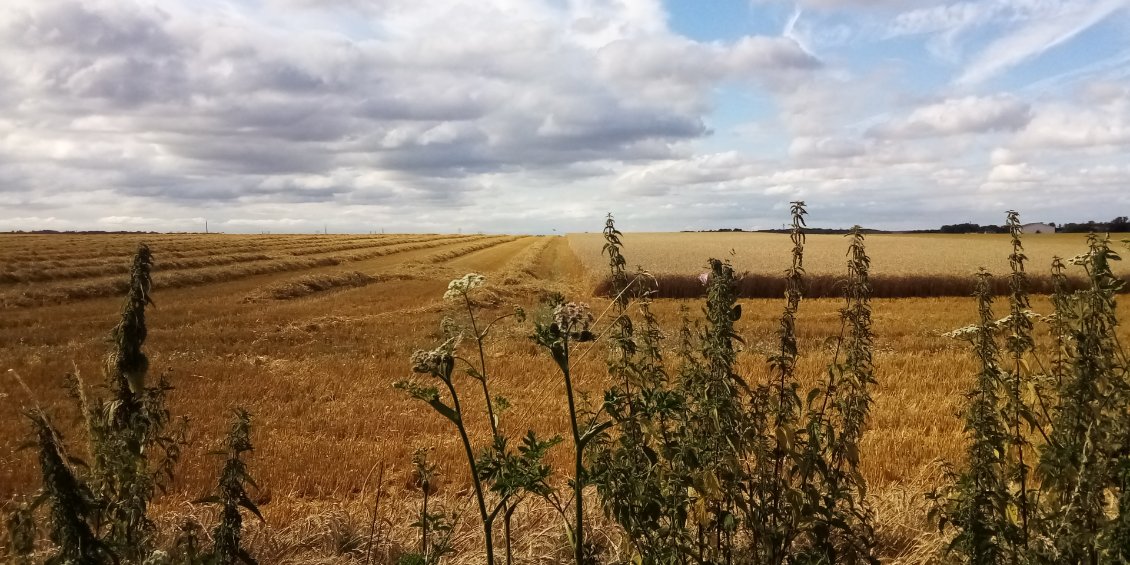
1046 478
72 506
435 527
231 494
703 467
98 512
976 503
497 469
570 324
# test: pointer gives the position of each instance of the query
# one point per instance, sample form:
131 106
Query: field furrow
37 294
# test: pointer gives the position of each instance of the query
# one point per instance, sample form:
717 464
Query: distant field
891 254
902 266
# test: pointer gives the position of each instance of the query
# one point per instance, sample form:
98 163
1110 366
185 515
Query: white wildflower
459 288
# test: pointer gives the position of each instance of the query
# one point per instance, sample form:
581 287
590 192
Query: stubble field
308 333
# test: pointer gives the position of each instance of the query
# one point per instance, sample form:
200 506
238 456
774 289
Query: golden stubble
316 371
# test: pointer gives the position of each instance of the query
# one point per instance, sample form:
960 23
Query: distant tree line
968 227
1121 224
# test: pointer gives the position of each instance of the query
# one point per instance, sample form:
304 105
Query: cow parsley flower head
433 362
967 333
459 288
573 316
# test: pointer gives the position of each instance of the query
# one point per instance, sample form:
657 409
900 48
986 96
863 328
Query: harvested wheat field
309 334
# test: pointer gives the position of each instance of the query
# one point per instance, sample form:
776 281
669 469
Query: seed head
573 316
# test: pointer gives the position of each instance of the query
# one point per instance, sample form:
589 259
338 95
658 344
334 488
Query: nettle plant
703 465
697 463
98 506
1048 475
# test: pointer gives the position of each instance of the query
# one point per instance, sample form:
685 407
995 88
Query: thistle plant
638 470
1046 479
98 512
1018 413
784 408
719 426
702 467
134 442
839 522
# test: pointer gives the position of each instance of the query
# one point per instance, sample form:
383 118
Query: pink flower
704 278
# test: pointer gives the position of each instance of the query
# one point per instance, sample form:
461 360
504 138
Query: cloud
826 147
529 114
1036 37
232 104
959 116
1068 126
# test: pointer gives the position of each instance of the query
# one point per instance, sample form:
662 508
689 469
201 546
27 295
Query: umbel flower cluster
459 288
573 316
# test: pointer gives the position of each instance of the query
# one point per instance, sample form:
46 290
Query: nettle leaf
249 505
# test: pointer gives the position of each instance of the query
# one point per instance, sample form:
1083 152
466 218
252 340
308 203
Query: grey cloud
228 104
957 116
125 82
78 27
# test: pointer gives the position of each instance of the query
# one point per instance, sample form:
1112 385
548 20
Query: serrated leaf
246 503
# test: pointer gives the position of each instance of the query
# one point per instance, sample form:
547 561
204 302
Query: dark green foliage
72 507
702 466
127 364
134 443
99 513
639 472
1017 415
1080 466
976 503
231 495
836 412
1047 471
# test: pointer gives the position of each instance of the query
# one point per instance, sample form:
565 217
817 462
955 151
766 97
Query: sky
543 116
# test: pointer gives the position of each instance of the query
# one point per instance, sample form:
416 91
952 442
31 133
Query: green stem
482 365
578 469
487 520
